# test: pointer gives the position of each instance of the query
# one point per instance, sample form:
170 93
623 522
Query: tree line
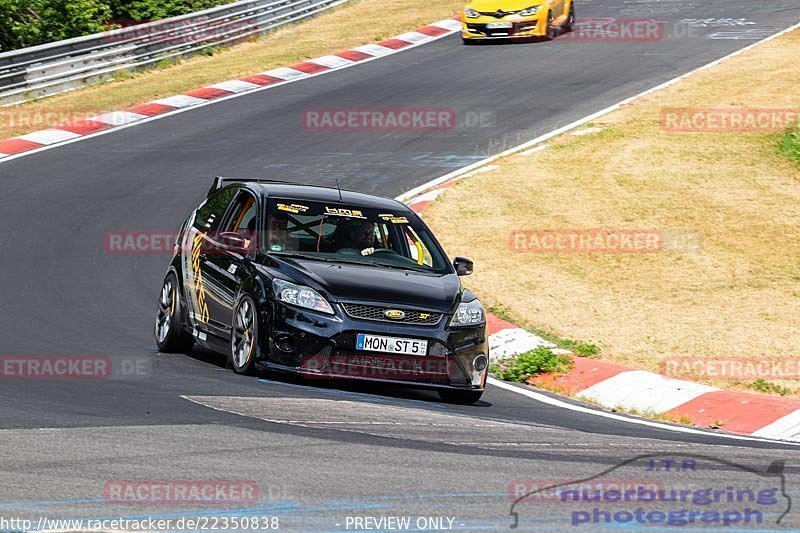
26 23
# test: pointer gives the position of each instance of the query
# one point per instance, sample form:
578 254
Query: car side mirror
232 241
463 266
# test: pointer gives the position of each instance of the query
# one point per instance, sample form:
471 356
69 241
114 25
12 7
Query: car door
222 264
196 246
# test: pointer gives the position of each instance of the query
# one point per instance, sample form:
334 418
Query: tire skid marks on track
379 419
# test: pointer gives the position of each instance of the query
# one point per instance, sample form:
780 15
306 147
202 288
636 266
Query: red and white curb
100 124
614 386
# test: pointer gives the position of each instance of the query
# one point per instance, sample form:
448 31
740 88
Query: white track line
658 425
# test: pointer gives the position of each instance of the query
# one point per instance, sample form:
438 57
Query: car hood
489 6
343 281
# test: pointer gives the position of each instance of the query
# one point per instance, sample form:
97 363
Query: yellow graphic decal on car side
199 287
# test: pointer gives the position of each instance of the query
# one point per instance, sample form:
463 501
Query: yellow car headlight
471 13
530 11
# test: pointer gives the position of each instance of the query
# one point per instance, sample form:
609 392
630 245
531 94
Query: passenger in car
280 239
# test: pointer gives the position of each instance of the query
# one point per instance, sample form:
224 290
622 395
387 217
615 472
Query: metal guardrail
39 71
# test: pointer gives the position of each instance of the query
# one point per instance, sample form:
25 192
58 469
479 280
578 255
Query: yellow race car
516 19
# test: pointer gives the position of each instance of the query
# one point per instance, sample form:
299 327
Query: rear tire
244 337
170 336
461 397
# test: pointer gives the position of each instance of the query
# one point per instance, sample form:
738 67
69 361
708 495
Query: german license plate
498 25
377 343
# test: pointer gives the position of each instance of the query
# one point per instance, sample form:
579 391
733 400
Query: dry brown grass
738 296
354 24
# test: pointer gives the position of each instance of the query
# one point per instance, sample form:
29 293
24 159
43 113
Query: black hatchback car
327 283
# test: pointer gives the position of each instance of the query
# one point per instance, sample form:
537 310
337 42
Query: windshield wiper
317 258
298 256
398 267
348 261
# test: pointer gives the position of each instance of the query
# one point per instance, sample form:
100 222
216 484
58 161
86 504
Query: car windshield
352 234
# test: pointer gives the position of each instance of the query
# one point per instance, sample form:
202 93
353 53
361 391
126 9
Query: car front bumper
319 346
478 28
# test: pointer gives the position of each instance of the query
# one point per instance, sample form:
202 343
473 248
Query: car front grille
515 28
498 14
377 314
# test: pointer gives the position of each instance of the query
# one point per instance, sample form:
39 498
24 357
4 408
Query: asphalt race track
319 453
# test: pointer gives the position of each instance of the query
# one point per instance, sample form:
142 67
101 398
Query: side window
209 214
242 217
389 237
382 236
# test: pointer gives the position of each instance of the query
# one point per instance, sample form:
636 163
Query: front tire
569 25
461 397
244 337
551 30
170 336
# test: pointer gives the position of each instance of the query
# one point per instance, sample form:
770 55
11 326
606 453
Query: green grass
790 145
520 368
762 385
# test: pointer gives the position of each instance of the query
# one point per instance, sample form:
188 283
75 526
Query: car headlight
471 13
530 11
468 314
300 296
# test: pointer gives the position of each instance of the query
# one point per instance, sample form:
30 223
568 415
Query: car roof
291 191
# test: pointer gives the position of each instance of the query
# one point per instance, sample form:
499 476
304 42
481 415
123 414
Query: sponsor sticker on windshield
342 212
293 208
388 217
